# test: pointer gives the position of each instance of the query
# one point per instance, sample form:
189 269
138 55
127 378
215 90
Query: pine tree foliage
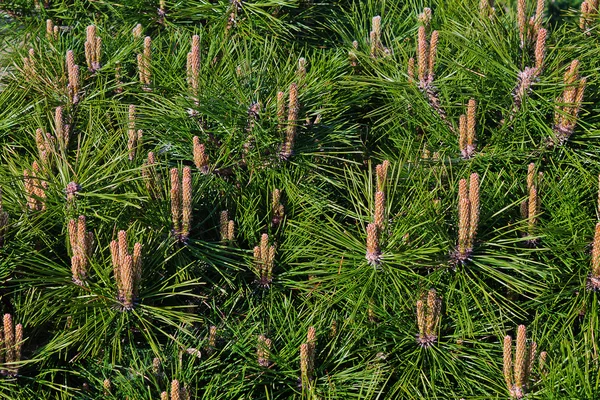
299 199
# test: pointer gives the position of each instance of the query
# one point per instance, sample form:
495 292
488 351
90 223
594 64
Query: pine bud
107 387
187 194
200 156
379 210
474 208
373 255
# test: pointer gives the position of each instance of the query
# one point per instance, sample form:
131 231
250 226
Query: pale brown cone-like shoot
352 55
301 71
373 255
421 317
59 127
264 246
474 208
333 329
39 188
373 41
531 358
106 384
381 172
44 146
532 207
376 25
268 256
543 362
311 341
425 17
49 29
277 209
193 66
147 58
484 8
73 77
411 70
70 60
77 270
371 311
137 31
127 277
530 176
522 21
93 49
122 243
175 390
571 73
462 135
72 230
540 49
281 110
291 128
18 341
422 54
428 317
74 84
175 201
375 36
223 225
305 372
156 367
127 269
539 14
200 157
258 262
164 396
144 62
464 210
212 337
584 18
9 338
264 351
29 183
131 133
594 278
432 53
141 71
507 365
525 79
521 358
379 210
81 246
29 66
433 312
264 261
471 121
187 200
231 231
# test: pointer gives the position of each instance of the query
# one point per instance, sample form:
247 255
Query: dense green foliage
357 108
